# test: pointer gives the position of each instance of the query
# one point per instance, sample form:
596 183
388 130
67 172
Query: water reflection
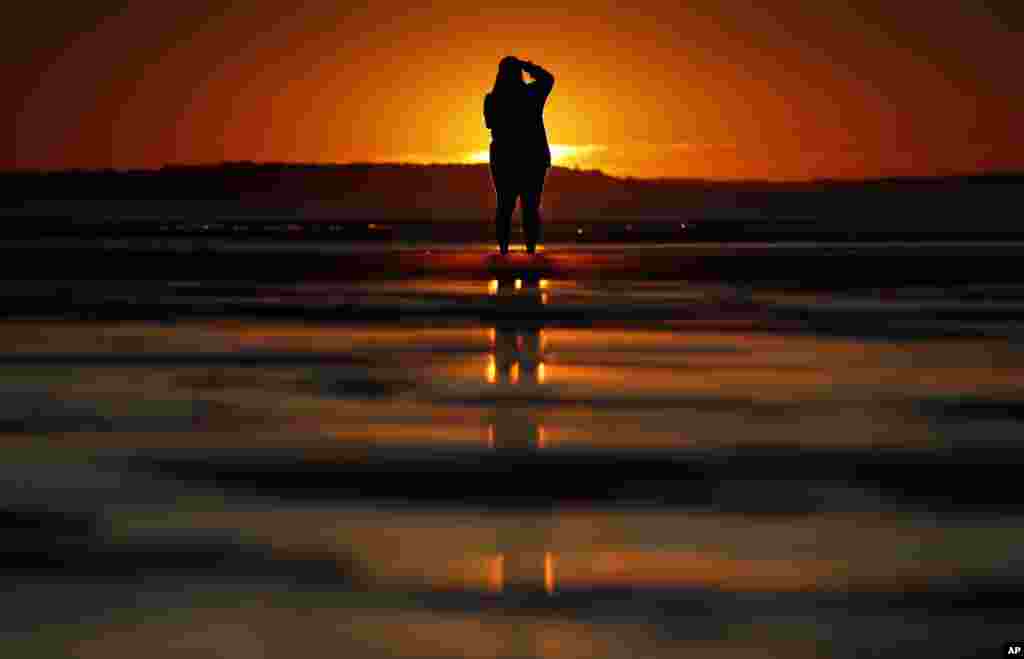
738 547
524 565
516 363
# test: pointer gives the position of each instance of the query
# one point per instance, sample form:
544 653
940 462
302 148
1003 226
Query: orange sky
714 88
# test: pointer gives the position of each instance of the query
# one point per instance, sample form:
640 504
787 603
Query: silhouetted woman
520 156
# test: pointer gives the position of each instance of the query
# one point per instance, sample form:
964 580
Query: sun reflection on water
496 573
549 573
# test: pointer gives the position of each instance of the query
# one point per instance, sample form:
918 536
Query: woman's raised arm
541 75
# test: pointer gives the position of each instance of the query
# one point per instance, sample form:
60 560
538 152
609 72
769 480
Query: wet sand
488 460
826 266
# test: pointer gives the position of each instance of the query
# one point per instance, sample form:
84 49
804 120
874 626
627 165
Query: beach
426 450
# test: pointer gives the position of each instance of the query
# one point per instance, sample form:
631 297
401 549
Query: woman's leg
506 192
533 187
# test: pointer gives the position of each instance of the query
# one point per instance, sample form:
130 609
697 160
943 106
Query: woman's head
510 74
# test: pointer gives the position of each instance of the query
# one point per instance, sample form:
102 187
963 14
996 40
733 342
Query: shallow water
515 466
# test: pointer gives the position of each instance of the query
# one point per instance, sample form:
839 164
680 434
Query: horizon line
595 170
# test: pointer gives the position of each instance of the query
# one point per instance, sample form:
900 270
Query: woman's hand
538 73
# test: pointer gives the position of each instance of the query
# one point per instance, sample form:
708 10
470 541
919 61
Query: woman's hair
510 75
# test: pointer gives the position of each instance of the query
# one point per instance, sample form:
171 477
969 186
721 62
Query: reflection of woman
520 156
518 362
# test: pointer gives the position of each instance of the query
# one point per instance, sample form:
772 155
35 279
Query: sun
561 154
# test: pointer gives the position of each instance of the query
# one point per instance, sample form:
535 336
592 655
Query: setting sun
564 155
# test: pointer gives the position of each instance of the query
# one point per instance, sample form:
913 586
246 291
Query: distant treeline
400 192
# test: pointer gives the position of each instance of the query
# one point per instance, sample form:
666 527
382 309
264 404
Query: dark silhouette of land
455 202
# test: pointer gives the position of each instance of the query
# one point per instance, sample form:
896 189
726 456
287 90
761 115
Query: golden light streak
519 284
688 569
496 573
513 374
492 289
578 155
549 573
541 438
544 283
541 373
492 369
490 436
